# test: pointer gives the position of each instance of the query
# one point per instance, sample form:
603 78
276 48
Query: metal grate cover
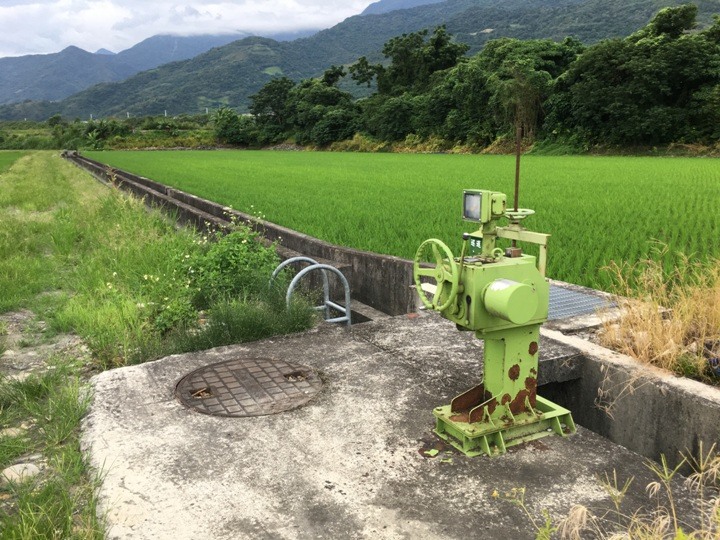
566 303
248 387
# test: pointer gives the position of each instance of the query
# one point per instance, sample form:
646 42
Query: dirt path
29 348
29 345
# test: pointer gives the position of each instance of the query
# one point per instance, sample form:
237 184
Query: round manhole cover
248 387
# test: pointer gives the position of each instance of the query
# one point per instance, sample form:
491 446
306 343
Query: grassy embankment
41 414
93 262
601 212
122 278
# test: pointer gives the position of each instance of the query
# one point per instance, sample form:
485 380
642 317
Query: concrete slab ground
353 463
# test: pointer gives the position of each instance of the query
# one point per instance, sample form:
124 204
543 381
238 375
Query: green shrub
335 125
235 265
230 128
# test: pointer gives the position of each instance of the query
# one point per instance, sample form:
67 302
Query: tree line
657 86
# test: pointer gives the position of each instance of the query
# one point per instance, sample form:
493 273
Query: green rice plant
597 209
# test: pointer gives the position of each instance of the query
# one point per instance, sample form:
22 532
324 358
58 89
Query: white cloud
44 26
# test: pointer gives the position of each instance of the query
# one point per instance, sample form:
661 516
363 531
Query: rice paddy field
597 209
8 158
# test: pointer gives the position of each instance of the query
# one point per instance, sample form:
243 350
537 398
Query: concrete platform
353 463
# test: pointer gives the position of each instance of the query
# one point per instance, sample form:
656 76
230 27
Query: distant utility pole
206 110
90 116
128 114
165 113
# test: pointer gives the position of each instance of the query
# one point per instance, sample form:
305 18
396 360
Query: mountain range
55 76
229 74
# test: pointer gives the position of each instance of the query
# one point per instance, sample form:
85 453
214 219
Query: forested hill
229 75
588 20
385 6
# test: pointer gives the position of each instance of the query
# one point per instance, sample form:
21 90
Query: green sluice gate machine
501 295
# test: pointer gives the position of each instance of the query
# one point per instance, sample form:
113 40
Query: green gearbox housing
502 296
498 296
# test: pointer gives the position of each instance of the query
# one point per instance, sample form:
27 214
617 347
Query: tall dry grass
702 487
671 318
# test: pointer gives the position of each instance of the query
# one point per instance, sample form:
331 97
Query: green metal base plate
493 438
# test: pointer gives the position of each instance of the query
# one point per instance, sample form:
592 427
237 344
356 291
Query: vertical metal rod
518 150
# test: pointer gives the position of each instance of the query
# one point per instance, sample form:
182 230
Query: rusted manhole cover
248 387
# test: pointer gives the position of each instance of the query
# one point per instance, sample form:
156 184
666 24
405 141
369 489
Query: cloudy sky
45 26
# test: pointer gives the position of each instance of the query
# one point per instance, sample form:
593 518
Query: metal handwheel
519 214
445 271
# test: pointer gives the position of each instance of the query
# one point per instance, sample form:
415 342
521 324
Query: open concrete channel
349 451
